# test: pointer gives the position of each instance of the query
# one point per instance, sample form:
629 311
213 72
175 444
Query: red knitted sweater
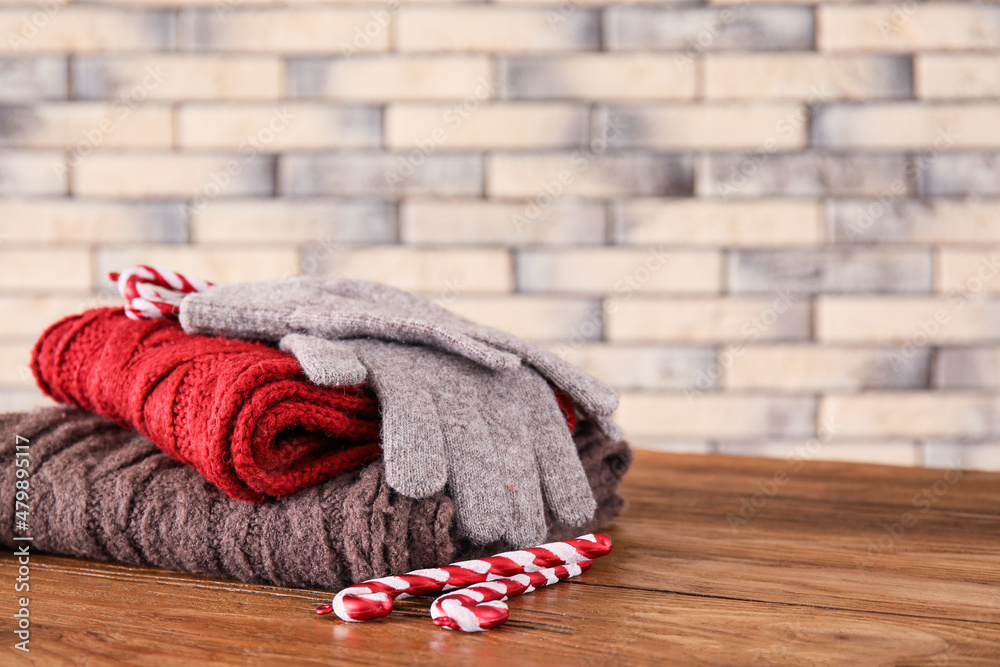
242 413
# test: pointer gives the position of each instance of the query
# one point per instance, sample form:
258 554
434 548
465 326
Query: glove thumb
326 362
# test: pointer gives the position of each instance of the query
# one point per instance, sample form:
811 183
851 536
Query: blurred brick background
772 225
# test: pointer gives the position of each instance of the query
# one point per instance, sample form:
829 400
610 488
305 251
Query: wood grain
812 576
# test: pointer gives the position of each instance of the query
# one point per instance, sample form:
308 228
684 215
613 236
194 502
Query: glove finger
593 396
510 413
412 439
249 310
567 490
492 475
325 362
478 481
362 321
590 394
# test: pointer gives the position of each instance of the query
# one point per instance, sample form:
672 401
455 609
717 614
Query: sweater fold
103 492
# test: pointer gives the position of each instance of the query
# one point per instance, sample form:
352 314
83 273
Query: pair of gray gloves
463 404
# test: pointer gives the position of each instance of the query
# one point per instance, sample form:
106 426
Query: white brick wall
53 28
798 76
272 128
172 175
626 76
297 30
931 26
761 220
82 127
495 30
389 78
709 127
183 76
513 125
32 174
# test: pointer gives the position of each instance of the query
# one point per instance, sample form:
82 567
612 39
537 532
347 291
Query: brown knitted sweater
103 492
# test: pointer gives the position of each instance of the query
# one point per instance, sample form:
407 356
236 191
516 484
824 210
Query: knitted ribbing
102 492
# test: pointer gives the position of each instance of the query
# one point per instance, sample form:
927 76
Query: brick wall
771 224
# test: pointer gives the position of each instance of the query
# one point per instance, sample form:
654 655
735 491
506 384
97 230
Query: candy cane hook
373 599
145 302
481 607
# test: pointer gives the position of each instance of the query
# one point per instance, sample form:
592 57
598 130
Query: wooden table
717 561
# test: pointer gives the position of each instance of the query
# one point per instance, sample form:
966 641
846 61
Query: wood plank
805 545
173 618
681 587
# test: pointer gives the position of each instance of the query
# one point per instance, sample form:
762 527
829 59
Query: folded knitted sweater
104 492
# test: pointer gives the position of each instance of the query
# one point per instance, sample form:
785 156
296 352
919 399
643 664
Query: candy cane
373 599
146 303
481 607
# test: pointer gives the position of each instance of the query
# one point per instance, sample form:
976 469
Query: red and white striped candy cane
373 599
135 284
481 606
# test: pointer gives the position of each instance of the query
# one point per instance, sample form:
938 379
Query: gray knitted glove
497 438
344 308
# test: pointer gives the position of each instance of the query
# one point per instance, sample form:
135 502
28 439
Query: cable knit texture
103 492
242 413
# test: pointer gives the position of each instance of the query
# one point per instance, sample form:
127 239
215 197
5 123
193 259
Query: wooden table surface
717 561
